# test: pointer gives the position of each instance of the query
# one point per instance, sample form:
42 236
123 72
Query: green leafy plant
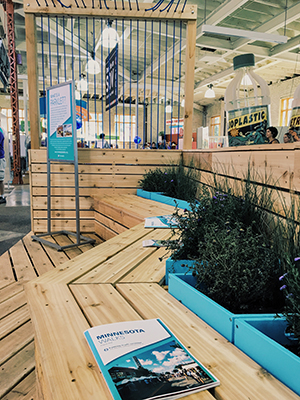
290 286
236 245
175 181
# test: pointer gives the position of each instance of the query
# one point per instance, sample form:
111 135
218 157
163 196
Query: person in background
288 138
2 168
272 132
294 134
102 143
153 146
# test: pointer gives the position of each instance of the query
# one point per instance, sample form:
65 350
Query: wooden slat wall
100 171
272 165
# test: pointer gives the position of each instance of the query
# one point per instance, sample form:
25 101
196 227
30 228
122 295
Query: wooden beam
115 10
189 83
32 71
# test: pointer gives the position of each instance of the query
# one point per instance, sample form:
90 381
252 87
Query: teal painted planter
157 196
262 339
174 267
182 287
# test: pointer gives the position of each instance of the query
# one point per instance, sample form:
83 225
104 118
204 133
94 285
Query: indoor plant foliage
290 282
174 181
236 247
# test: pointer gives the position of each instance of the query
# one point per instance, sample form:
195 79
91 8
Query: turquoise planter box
182 287
262 340
157 196
173 266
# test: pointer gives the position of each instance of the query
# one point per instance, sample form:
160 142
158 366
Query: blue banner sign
111 68
61 128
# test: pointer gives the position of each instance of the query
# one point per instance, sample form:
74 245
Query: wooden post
189 83
32 71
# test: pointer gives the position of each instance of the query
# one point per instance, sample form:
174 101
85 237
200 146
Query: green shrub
236 244
175 181
290 287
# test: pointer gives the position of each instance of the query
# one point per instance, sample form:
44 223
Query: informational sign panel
61 126
248 126
111 68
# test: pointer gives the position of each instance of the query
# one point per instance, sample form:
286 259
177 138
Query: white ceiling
214 53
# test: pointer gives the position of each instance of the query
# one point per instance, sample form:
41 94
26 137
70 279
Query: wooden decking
28 260
23 262
118 280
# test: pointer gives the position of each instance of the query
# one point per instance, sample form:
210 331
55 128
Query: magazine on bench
143 360
163 221
156 243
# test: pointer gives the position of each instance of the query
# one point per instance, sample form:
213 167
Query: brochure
143 360
163 221
155 243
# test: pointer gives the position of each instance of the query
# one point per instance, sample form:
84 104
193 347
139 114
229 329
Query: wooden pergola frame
125 10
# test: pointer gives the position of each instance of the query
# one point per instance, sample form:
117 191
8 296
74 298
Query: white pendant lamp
82 84
246 81
168 108
92 67
210 93
109 37
183 103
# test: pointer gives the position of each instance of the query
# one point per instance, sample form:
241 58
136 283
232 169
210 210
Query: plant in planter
291 288
235 245
174 181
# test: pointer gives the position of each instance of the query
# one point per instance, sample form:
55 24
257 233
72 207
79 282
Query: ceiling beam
275 23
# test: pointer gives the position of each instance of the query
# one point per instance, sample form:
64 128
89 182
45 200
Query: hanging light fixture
210 93
246 81
182 102
82 84
168 108
109 37
92 67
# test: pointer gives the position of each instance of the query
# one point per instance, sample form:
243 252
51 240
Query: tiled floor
14 216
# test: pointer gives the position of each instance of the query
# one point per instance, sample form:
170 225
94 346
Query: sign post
62 147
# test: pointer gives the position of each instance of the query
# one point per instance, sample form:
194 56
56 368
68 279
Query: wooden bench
26 261
114 214
119 281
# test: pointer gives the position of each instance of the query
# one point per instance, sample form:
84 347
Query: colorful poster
248 126
111 68
60 122
295 122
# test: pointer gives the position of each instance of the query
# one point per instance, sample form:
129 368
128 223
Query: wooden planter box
182 287
263 340
156 196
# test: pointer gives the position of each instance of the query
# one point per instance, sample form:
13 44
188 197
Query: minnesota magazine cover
143 360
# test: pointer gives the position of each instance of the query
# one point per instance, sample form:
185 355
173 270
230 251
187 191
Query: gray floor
14 216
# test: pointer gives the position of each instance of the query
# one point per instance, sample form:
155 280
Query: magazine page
143 360
155 243
163 221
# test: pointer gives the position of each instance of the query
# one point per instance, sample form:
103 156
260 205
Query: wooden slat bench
96 288
114 214
28 260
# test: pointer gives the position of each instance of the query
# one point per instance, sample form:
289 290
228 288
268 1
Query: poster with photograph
60 124
248 126
143 360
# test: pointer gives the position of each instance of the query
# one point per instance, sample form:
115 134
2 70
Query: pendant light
82 84
210 93
92 67
109 37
